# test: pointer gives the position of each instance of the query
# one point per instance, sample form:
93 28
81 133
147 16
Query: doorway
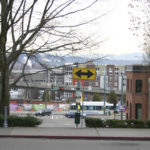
138 111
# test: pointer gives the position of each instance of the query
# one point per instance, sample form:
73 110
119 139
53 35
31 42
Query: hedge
147 123
94 122
112 123
136 123
115 123
27 121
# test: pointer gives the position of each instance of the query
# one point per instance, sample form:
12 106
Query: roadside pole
83 74
82 101
121 97
78 105
5 124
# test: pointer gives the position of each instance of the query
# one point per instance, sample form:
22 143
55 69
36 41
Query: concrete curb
78 137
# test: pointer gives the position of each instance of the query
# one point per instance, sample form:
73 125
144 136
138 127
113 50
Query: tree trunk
4 90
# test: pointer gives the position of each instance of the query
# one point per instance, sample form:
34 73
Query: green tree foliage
112 98
96 97
46 97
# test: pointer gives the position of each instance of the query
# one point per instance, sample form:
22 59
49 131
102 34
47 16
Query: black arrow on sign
80 73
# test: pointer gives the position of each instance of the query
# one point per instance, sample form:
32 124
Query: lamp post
104 91
5 124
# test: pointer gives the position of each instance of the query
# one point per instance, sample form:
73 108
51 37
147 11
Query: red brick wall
133 98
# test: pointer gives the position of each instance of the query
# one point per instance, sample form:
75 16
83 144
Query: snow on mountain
47 59
129 56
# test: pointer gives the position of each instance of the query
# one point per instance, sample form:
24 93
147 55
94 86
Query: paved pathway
76 133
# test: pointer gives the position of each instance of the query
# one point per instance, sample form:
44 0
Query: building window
97 78
127 84
110 78
110 83
130 111
131 86
116 78
138 86
96 83
86 83
115 83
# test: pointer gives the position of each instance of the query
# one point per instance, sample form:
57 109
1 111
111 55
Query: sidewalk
76 133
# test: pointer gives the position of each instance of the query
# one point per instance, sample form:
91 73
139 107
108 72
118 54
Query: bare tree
140 24
34 27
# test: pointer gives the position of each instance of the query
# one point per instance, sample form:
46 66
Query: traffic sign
84 73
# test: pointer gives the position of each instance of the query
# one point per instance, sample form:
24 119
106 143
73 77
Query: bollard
77 118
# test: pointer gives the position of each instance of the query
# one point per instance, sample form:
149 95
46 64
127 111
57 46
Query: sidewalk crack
98 134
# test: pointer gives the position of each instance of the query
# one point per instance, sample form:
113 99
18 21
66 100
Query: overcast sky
115 29
112 28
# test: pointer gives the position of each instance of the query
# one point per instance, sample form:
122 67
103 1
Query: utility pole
121 96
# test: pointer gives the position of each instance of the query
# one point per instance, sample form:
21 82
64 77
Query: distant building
57 76
107 76
138 92
67 80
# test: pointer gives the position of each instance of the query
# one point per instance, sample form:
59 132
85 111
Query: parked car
43 112
72 115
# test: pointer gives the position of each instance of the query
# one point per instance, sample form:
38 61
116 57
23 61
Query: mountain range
123 59
47 59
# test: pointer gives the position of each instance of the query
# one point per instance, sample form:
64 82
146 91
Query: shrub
133 123
147 123
116 123
27 121
94 122
115 112
1 120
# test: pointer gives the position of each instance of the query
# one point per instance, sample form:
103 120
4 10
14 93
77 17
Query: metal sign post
78 107
83 74
82 101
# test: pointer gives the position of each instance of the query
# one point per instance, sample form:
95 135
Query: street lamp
104 91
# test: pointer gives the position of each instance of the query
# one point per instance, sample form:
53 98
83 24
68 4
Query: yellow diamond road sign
84 73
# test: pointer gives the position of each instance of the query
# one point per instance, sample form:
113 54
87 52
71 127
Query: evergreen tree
46 96
112 98
96 97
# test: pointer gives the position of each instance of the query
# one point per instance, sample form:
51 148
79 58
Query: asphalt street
59 121
46 144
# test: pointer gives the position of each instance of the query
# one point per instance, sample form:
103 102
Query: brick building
137 93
